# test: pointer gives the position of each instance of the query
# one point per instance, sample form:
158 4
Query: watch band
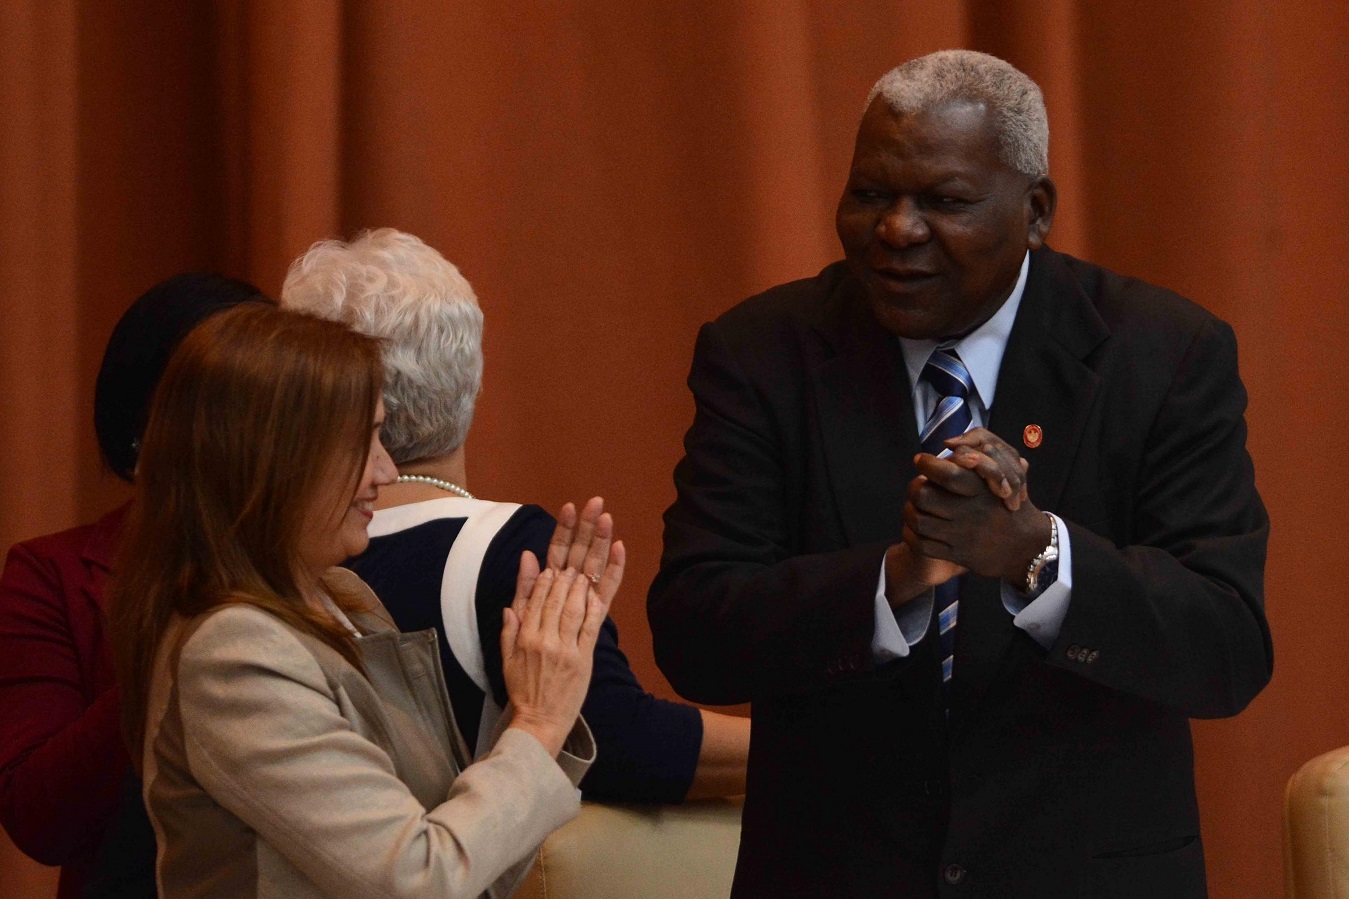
1043 569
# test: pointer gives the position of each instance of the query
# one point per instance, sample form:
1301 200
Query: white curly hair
392 286
1012 100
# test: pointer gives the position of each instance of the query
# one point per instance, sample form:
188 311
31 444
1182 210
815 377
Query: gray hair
391 286
1012 100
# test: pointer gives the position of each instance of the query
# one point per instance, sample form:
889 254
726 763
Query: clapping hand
585 543
548 634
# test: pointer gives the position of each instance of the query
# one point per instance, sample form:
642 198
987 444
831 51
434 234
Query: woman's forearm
722 758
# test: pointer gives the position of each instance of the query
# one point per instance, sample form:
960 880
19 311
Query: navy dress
647 747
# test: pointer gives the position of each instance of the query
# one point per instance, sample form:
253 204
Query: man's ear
1042 199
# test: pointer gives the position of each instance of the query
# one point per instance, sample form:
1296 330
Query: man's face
933 224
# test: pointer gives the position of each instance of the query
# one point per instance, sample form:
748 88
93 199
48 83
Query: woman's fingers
612 576
573 610
524 582
581 540
596 611
551 607
586 569
549 634
544 585
510 629
597 555
585 532
599 600
560 546
584 541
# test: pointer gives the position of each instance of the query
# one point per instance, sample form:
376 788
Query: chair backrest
640 851
1316 829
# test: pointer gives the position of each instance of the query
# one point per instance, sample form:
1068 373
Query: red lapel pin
1032 436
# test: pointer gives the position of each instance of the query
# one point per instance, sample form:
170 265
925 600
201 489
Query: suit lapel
100 551
866 421
1044 381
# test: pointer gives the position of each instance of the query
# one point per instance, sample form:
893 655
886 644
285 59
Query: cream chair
640 852
23 878
1316 829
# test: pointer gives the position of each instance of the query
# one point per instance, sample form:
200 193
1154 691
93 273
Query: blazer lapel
1044 382
866 421
100 551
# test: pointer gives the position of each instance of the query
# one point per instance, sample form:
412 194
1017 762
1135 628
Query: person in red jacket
62 758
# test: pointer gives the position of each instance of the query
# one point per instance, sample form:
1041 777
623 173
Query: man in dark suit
955 692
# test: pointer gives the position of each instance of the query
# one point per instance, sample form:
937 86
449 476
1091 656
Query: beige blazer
275 768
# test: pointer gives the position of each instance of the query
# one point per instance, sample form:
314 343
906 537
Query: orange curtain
611 175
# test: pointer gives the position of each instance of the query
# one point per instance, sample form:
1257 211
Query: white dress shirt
981 350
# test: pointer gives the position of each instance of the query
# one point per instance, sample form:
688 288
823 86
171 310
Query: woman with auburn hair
293 742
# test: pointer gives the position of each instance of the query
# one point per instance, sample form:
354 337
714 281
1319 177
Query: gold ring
594 580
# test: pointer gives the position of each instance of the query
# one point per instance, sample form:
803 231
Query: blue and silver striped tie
950 418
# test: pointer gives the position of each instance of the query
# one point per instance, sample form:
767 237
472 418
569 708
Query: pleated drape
609 175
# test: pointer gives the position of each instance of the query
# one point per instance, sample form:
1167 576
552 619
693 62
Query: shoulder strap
458 607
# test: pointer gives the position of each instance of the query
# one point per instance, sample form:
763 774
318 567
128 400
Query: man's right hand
908 574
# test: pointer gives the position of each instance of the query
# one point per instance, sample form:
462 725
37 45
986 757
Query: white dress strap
483 520
458 605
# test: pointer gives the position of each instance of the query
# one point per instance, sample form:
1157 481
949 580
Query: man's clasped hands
969 511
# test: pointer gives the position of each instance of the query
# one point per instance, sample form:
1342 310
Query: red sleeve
61 751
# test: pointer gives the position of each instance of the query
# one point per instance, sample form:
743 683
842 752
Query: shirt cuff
896 631
1042 617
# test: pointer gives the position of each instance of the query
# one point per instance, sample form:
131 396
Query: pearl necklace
435 482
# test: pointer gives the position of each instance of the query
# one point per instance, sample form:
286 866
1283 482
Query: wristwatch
1044 568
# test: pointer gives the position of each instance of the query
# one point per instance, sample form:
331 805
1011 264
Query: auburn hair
258 406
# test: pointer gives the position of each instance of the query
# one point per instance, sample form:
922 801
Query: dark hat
139 350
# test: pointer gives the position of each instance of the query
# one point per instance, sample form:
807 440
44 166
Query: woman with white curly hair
439 557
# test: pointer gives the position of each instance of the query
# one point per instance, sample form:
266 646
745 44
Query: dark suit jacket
1059 773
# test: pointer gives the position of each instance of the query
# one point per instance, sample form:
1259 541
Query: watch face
1040 579
1045 567
1046 575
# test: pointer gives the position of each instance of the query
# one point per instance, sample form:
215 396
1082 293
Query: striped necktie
950 418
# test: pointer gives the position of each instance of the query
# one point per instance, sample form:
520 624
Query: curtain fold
40 440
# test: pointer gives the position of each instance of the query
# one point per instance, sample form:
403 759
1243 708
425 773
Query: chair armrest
1316 829
631 851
